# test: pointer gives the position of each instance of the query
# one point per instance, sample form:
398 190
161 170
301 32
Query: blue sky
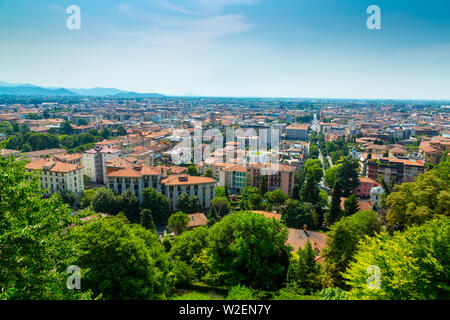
264 48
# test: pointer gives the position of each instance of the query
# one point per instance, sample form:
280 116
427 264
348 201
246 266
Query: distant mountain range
20 89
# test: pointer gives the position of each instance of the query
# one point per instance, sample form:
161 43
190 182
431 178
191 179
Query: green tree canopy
87 197
35 251
147 220
342 241
122 261
248 249
276 198
413 203
129 204
351 205
105 201
414 264
158 203
221 205
192 170
296 214
305 271
178 222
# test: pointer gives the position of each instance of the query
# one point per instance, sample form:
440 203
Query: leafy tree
413 265
192 170
105 133
105 201
178 222
413 203
313 169
34 248
348 175
296 214
26 148
342 241
129 204
194 205
157 203
6 128
251 199
188 204
221 205
189 248
313 152
68 197
248 249
220 192
183 273
335 212
122 261
330 175
255 202
87 197
305 271
147 220
310 192
351 205
208 173
66 128
240 293
276 198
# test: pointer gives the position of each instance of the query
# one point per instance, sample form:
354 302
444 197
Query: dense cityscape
97 182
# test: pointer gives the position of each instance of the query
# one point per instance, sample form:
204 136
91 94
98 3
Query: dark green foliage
34 248
157 203
305 271
351 205
342 242
129 204
335 212
248 249
296 214
105 201
413 265
178 222
122 261
147 220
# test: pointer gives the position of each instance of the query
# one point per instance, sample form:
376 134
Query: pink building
363 190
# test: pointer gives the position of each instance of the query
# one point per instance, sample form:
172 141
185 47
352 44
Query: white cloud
192 27
201 7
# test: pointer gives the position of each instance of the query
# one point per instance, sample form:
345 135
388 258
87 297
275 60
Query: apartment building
172 185
365 185
176 184
274 177
392 169
58 175
94 162
297 131
233 177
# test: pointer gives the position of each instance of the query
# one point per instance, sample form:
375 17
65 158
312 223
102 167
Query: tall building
94 162
392 169
273 177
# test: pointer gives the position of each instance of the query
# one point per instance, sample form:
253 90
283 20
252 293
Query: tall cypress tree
351 205
335 212
147 220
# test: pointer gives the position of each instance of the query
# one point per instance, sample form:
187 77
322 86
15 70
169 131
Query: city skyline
232 48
